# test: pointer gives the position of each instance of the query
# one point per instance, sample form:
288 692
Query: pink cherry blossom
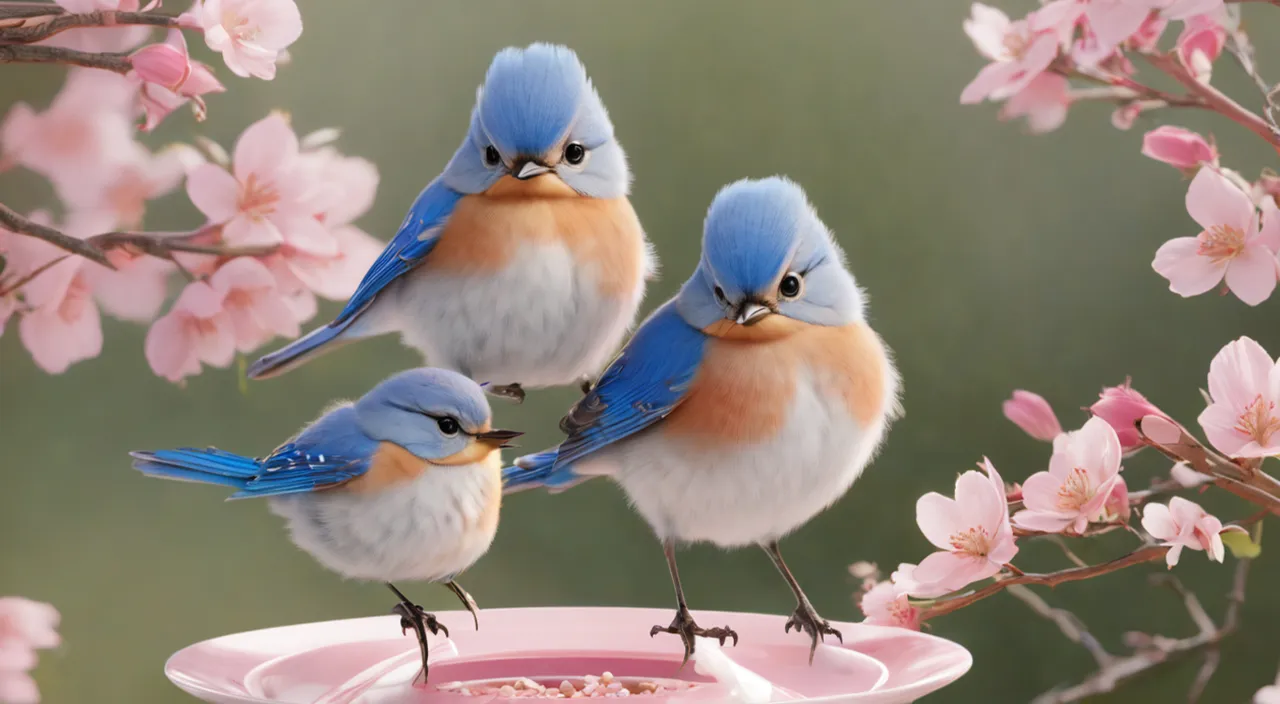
164 64
253 303
100 39
1201 43
1083 473
1232 245
1114 21
1043 102
1018 53
887 603
1122 407
62 326
1268 695
1033 414
336 277
1244 383
197 329
345 186
1178 147
251 35
86 127
1116 509
25 626
971 531
158 98
117 194
266 200
1061 17
300 299
1184 524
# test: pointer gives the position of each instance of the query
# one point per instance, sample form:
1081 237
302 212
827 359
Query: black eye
791 286
491 155
448 426
719 294
574 153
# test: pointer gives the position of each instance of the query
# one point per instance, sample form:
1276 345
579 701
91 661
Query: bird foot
806 619
586 385
511 392
684 626
414 617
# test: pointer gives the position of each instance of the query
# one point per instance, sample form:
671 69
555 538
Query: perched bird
744 406
404 484
523 264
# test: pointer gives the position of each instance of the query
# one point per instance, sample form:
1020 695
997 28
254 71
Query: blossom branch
100 18
14 222
1070 624
15 9
1158 650
1244 480
1213 99
11 54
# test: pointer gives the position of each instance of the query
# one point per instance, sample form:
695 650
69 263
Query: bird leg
683 624
466 600
511 392
805 618
585 384
413 616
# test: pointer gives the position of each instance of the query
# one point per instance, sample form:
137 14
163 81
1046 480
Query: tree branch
10 10
1244 480
1213 99
14 222
1160 650
11 54
101 18
1070 624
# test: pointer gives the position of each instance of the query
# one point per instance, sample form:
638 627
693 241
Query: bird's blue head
539 126
438 415
767 264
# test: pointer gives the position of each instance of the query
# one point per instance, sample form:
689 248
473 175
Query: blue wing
330 452
416 237
644 384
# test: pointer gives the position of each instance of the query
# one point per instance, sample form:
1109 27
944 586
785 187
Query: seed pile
605 686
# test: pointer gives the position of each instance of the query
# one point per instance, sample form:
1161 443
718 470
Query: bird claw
586 386
511 392
416 618
806 620
684 626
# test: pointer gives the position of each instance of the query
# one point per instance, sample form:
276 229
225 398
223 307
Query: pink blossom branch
101 18
1242 49
12 221
1159 650
1213 99
1242 479
119 63
23 281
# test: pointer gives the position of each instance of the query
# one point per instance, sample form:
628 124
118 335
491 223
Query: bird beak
529 169
497 439
751 313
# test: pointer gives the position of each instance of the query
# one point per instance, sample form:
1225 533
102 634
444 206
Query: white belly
749 494
541 322
429 529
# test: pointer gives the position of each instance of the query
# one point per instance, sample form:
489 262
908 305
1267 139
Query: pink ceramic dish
367 661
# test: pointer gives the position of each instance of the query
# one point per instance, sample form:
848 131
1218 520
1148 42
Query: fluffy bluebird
523 264
404 484
744 406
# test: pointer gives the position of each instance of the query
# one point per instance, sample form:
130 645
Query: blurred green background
994 260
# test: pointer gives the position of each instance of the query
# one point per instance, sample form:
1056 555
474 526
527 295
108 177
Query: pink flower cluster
1084 486
295 205
25 626
1032 58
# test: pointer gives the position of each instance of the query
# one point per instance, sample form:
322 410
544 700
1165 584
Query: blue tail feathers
206 466
539 470
305 348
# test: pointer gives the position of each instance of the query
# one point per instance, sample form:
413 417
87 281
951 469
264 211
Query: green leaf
1241 545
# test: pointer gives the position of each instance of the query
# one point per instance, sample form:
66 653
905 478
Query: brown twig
24 280
942 607
1244 480
10 10
1070 624
1242 49
21 53
1161 650
35 32
14 222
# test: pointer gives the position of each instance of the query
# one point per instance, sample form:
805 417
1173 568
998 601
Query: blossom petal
1213 200
938 517
266 149
1189 274
1251 275
214 192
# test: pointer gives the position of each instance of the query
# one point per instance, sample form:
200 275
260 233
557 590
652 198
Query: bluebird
747 404
523 264
403 484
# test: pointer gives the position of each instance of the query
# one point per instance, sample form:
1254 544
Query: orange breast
391 465
745 387
485 231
